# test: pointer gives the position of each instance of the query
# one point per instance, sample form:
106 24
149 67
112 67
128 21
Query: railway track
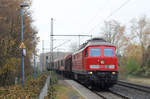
122 90
132 91
110 95
105 94
134 86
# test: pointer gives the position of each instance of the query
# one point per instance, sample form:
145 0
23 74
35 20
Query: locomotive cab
101 64
101 58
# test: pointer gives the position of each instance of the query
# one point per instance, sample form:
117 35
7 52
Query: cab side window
86 53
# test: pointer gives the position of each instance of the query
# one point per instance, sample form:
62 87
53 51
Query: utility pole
51 44
57 53
34 58
79 42
43 55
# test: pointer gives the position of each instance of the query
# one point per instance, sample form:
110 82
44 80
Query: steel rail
134 86
102 95
119 94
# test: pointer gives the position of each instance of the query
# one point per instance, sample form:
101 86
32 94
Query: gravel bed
129 92
109 95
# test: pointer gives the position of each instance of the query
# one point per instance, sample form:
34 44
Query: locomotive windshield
109 52
95 52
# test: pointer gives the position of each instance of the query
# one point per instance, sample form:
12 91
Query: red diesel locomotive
95 63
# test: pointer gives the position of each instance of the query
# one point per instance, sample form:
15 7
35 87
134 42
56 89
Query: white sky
81 16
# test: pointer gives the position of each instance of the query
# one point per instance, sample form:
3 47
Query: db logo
102 62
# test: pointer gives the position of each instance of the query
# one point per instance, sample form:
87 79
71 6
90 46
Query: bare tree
140 29
73 46
114 33
10 40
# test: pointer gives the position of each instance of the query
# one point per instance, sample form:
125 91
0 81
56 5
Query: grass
135 79
59 89
130 78
67 92
139 80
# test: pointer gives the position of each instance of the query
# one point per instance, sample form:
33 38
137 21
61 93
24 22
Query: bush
8 71
31 89
132 66
52 86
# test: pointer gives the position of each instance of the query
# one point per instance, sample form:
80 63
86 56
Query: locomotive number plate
94 66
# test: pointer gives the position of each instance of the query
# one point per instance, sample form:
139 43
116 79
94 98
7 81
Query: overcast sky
81 16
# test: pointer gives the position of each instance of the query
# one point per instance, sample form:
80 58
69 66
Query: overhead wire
97 15
111 14
116 10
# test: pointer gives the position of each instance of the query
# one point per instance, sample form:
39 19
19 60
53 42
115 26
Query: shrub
31 89
132 66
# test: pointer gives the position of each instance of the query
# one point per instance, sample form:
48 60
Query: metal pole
22 5
51 44
79 42
34 61
43 55
22 62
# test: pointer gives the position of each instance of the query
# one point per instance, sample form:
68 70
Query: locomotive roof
93 42
68 56
97 39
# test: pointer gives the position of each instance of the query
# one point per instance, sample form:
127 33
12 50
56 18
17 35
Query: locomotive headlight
90 72
113 73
